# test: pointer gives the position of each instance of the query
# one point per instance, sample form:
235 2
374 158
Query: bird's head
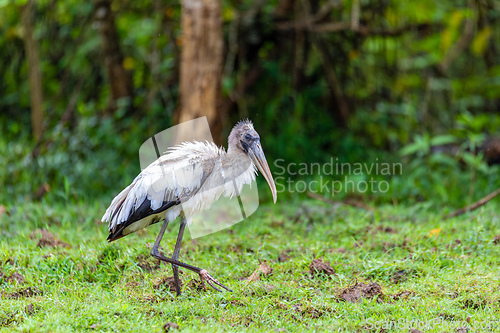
244 138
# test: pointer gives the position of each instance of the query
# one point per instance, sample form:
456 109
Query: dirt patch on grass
151 299
148 263
402 295
311 311
238 248
318 267
167 283
474 304
30 309
448 316
400 276
380 229
24 293
358 244
455 244
134 285
196 284
338 250
47 239
9 318
155 313
15 277
162 285
269 287
496 240
237 303
170 326
284 256
389 246
356 293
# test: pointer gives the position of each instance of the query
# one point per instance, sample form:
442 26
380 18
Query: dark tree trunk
119 78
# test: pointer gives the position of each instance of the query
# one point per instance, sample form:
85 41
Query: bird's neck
235 163
237 171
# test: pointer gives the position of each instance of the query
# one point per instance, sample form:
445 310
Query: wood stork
184 181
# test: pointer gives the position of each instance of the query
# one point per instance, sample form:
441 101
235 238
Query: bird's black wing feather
143 211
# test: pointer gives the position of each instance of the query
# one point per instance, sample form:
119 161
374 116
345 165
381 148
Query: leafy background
420 89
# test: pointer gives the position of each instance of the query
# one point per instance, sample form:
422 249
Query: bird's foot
204 276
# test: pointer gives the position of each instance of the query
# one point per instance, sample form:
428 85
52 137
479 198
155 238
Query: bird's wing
169 181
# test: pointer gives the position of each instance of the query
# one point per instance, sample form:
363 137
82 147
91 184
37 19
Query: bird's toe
205 276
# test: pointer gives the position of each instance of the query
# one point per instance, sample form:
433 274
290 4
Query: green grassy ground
439 274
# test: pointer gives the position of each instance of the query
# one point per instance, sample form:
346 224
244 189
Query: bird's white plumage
194 173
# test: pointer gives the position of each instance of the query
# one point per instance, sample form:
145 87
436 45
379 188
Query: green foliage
451 167
97 158
407 84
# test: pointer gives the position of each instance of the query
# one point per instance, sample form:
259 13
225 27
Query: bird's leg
177 249
204 275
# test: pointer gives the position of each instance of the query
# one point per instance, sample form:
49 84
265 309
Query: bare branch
474 206
329 27
332 27
322 14
365 31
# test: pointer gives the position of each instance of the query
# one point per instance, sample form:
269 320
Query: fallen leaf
434 232
319 266
263 269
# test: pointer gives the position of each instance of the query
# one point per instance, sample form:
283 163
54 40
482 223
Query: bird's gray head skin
241 136
244 139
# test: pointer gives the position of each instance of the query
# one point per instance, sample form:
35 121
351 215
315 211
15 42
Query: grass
433 273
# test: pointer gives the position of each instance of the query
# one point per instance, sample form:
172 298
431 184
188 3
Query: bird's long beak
259 159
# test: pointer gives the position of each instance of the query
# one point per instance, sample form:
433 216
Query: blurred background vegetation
83 84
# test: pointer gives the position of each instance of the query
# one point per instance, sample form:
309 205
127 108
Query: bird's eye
248 137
